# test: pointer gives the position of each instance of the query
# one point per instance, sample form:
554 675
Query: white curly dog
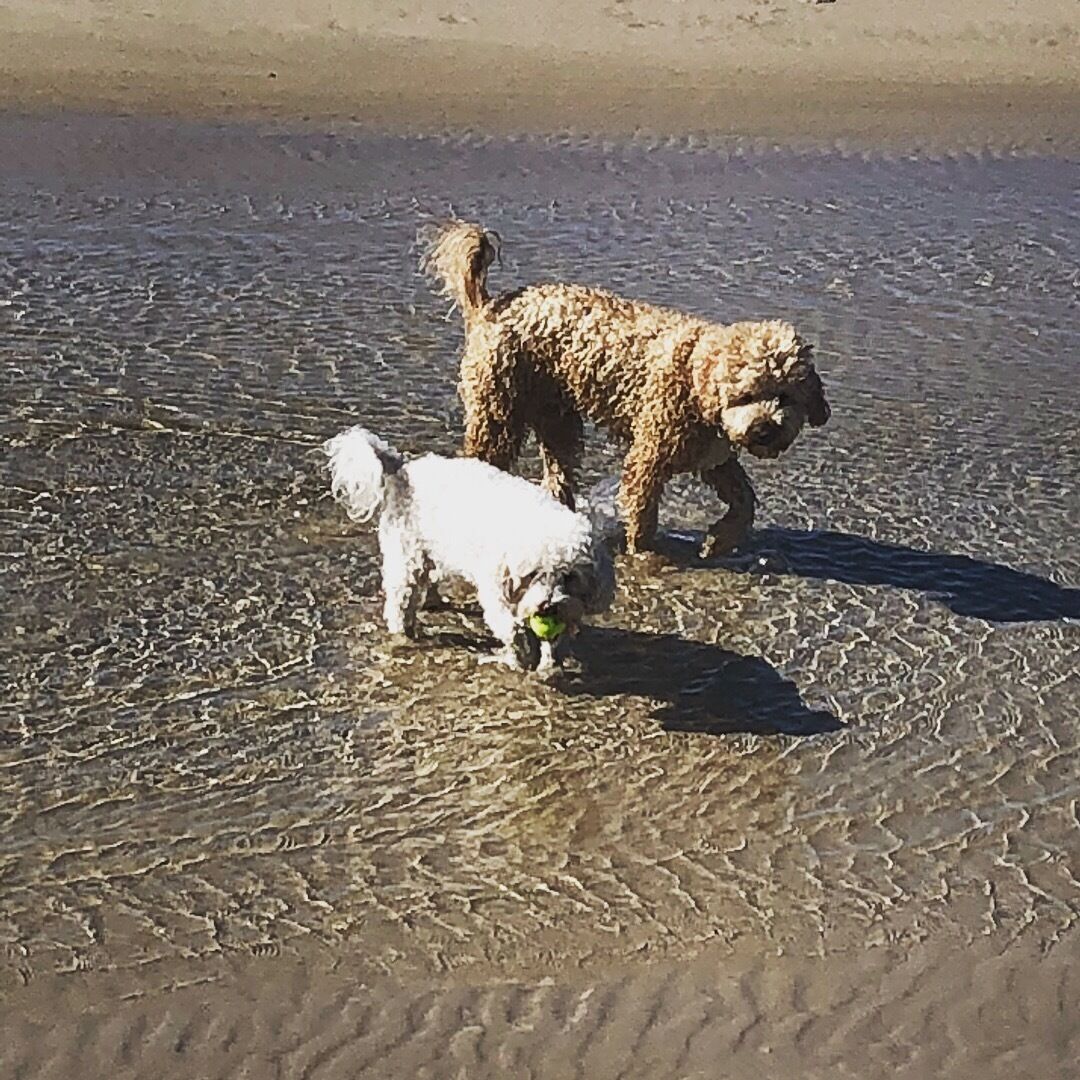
524 552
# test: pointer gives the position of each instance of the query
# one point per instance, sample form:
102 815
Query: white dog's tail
458 255
360 466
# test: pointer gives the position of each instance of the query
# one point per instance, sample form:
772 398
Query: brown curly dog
685 394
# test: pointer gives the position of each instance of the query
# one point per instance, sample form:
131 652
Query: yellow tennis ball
546 627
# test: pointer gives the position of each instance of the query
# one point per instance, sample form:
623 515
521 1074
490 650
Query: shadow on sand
698 687
967 586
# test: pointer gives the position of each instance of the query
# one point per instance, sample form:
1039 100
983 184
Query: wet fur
684 394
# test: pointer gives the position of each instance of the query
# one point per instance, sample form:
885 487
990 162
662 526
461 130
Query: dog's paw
567 665
650 561
506 657
396 646
550 659
527 648
722 539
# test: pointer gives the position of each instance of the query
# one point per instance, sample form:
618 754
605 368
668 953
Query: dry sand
966 72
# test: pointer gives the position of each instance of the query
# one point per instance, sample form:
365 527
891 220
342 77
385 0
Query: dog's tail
361 467
458 255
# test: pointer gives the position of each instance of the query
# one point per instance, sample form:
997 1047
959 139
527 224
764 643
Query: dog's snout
768 439
566 607
766 433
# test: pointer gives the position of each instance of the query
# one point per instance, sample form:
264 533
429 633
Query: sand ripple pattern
862 732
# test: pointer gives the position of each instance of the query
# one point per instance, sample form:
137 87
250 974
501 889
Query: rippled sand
833 777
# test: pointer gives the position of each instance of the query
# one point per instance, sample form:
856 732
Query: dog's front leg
731 483
501 621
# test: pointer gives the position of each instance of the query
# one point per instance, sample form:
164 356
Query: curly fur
685 394
523 551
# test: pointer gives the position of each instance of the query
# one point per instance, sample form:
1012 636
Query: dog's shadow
967 586
697 687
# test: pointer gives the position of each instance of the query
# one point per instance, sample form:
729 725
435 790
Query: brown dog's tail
458 255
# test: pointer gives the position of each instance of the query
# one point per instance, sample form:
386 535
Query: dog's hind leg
561 436
405 579
731 483
643 479
494 426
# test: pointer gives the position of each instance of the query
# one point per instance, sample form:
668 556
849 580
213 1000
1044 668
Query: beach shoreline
829 1016
829 74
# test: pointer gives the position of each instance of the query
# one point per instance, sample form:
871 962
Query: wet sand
809 811
875 72
878 1012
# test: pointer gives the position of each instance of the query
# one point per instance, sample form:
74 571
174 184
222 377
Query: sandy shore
920 73
923 1011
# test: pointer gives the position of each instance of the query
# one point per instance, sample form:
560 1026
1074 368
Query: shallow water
862 731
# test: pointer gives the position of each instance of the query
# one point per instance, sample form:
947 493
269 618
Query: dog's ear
817 407
724 368
710 386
